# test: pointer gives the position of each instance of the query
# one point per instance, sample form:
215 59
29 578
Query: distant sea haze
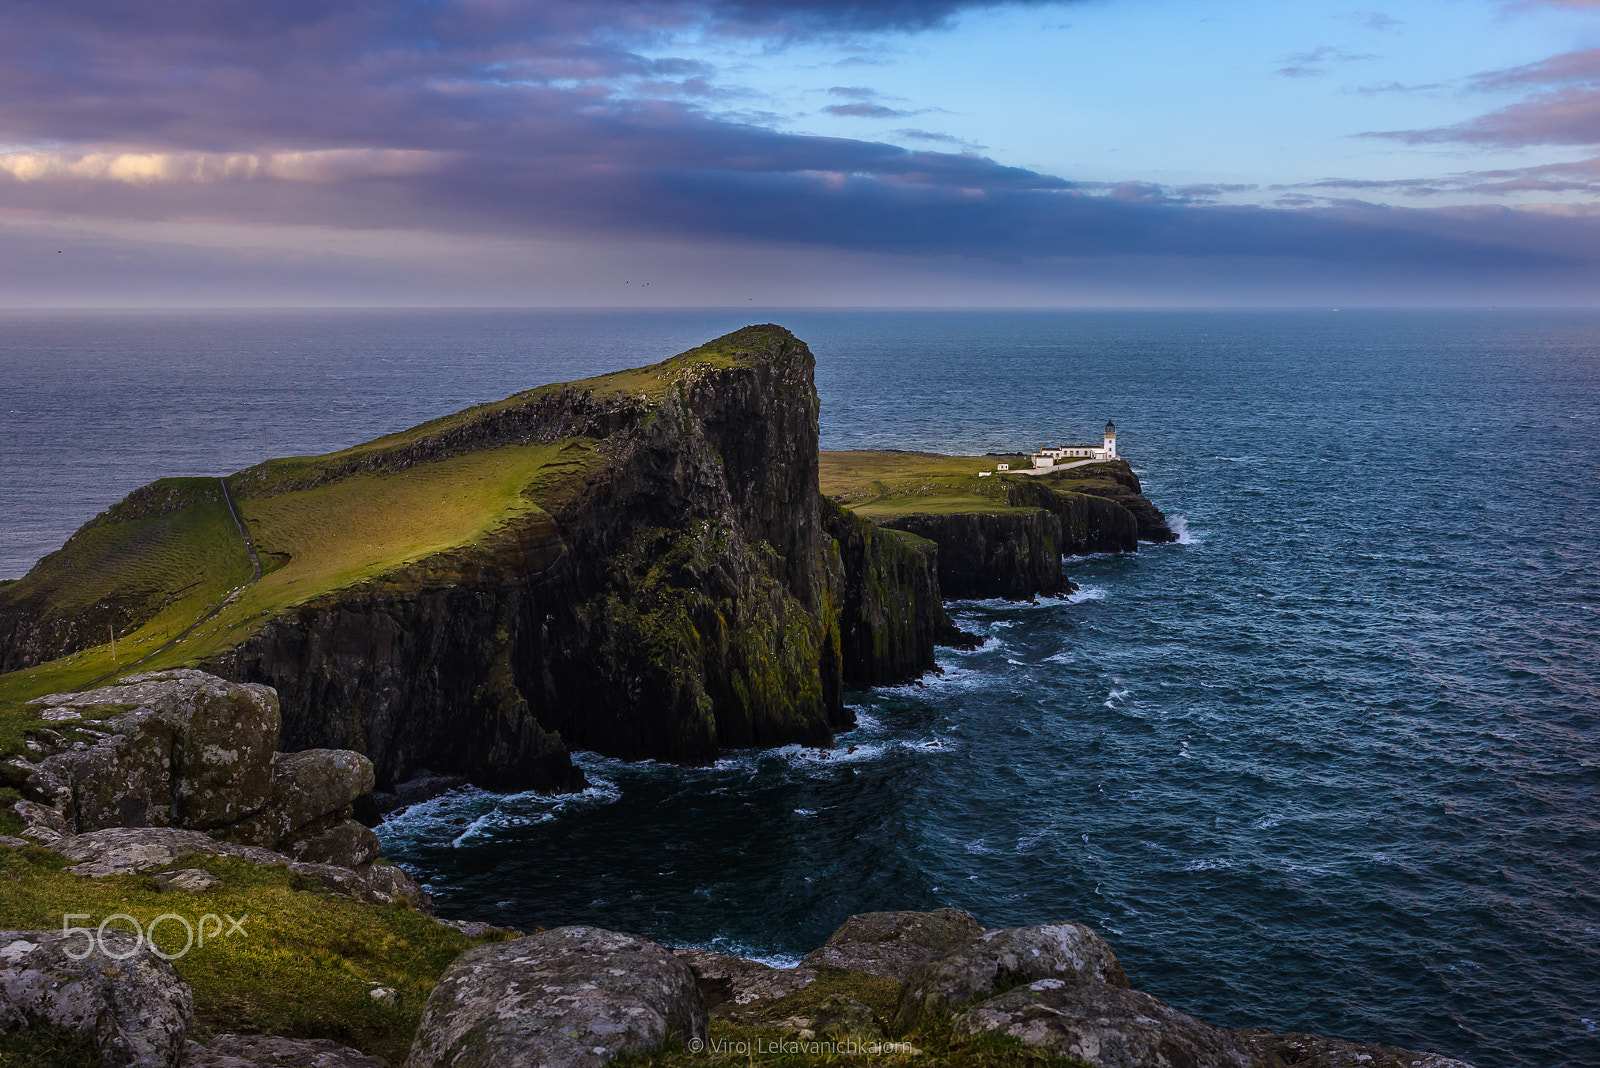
1327 764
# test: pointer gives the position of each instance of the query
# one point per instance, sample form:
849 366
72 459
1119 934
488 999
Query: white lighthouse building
1107 450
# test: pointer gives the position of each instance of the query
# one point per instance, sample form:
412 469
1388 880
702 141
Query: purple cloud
1565 112
549 121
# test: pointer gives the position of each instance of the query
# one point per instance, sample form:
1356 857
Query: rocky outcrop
1057 987
191 750
1114 481
128 850
572 997
155 767
184 749
111 989
996 961
1016 553
894 944
732 979
1105 1026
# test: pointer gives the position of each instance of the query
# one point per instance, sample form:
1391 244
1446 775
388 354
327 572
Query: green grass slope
884 483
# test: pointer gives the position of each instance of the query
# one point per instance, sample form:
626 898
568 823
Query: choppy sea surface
1330 763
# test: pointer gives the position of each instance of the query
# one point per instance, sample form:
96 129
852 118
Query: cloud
1313 63
866 111
1396 87
1563 109
565 124
1579 176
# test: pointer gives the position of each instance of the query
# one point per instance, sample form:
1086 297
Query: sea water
1329 763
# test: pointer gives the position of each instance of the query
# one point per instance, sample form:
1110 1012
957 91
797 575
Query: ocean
1329 763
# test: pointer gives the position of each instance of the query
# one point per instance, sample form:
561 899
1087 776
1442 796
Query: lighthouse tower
1111 440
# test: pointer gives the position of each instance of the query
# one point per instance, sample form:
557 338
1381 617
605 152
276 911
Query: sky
769 153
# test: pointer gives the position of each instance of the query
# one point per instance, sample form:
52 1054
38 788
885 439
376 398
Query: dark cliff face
891 614
681 600
1017 554
1115 481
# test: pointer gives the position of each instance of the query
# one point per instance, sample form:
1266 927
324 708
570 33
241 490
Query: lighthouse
1110 451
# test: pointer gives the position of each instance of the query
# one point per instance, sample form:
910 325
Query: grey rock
997 961
894 944
564 998
13 843
186 880
40 822
346 843
307 787
137 1008
1314 1051
841 1017
723 979
376 884
477 928
254 1051
194 751
1107 1027
125 780
121 850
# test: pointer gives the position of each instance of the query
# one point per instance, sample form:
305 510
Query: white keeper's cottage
1107 450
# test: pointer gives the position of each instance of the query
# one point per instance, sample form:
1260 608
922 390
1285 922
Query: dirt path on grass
255 566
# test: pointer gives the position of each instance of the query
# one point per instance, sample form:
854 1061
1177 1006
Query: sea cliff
651 563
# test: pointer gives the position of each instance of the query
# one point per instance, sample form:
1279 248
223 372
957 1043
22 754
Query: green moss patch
304 967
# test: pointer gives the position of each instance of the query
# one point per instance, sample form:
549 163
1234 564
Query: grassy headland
401 509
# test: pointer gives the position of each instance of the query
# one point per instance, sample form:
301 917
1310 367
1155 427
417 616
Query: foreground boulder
723 979
130 1001
919 977
894 944
1105 1026
1316 1051
188 750
996 961
572 997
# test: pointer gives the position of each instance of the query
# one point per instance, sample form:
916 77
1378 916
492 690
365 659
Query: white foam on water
1087 593
730 948
1180 527
800 756
1000 604
1209 864
805 812
865 722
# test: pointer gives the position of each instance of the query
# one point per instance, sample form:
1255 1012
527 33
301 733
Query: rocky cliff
891 613
1015 551
677 598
